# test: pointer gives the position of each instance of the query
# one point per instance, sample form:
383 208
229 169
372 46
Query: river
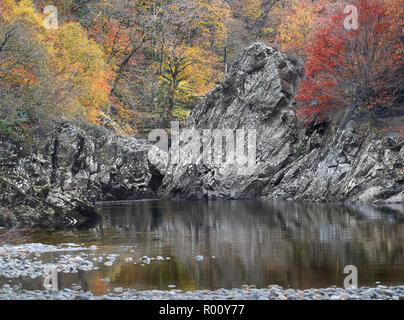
195 245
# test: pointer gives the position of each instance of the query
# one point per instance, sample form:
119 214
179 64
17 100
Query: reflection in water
253 242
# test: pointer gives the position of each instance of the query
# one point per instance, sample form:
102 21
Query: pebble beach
25 261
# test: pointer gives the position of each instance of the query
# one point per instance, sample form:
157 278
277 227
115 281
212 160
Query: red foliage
344 65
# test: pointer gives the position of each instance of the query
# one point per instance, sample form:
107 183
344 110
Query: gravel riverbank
25 261
271 293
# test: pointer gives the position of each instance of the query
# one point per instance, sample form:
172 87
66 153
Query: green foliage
180 114
14 132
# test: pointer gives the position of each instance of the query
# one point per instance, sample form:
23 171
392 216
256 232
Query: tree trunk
121 69
350 113
167 114
225 58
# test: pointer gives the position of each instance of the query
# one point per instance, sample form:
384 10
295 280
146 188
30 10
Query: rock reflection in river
253 242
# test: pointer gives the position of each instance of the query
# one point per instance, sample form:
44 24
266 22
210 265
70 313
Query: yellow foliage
214 20
299 19
22 10
258 10
190 69
79 73
80 63
202 73
297 26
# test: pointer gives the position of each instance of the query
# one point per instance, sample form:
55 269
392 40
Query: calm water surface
242 242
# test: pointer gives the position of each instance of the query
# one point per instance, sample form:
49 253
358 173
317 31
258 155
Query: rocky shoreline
25 261
273 292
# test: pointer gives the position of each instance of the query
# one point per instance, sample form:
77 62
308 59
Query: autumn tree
49 73
143 63
24 71
164 54
353 68
298 25
260 17
81 73
190 36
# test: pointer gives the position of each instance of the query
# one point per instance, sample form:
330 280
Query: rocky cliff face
349 165
70 168
258 95
67 171
354 165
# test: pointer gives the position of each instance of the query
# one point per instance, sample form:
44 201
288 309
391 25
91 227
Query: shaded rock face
350 165
67 171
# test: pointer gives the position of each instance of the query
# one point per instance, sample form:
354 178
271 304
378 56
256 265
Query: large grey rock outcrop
67 171
350 165
257 94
